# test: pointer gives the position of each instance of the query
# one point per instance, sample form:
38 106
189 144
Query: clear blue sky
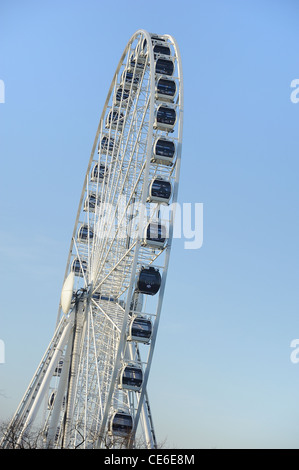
221 375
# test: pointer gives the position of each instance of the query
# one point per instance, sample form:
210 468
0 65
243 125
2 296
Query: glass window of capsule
163 151
159 191
131 377
165 118
165 89
98 172
91 201
79 268
85 233
122 96
161 49
129 79
114 119
107 144
120 424
164 66
140 329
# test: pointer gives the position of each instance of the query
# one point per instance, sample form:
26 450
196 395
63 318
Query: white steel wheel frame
91 339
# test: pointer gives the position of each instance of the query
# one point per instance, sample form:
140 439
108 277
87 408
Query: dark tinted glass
164 148
166 87
161 189
166 115
164 66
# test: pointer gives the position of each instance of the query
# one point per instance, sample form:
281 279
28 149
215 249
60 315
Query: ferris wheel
90 388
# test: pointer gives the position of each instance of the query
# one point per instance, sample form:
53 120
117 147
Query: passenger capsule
122 96
107 144
159 191
137 63
131 377
79 268
120 424
155 235
164 67
165 89
163 151
85 233
114 119
130 79
91 202
140 330
98 173
165 118
148 280
161 49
